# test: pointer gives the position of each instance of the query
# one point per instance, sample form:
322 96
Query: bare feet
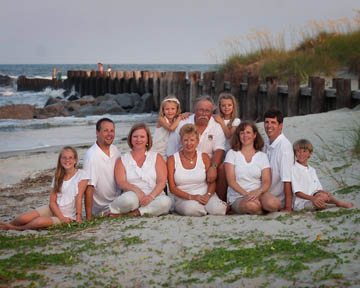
345 204
131 213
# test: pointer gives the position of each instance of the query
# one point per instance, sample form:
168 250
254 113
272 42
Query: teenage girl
68 187
169 119
228 116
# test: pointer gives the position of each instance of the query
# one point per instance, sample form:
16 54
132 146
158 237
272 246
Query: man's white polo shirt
211 139
281 157
100 168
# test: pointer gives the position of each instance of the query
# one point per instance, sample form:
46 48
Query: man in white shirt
99 162
212 141
281 157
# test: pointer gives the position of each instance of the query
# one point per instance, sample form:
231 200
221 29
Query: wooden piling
250 112
272 100
317 94
343 93
207 88
194 78
156 88
180 88
293 96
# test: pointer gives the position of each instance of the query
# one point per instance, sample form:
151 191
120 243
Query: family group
212 164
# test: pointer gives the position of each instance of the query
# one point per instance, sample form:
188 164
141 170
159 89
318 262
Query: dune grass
323 49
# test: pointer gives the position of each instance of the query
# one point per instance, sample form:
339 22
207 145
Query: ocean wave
14 124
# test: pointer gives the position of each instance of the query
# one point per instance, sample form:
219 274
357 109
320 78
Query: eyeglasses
202 111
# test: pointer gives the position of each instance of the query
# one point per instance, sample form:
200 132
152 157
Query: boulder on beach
18 111
6 80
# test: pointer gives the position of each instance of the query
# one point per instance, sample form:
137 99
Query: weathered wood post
126 81
135 82
250 112
170 90
219 85
180 88
272 99
293 96
70 79
194 78
98 83
118 82
317 94
163 86
208 77
82 83
112 82
92 83
156 89
343 93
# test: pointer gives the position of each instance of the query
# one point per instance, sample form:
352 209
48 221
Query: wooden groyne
253 97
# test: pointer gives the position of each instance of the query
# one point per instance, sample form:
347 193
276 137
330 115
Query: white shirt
281 157
100 168
235 123
66 200
211 139
247 175
143 177
305 180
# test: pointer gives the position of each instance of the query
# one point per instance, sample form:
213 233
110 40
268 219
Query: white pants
128 201
193 208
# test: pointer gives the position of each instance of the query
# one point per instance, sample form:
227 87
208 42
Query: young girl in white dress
228 116
169 119
67 189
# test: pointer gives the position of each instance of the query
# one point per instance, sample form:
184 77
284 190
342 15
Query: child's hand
319 203
217 118
65 220
184 115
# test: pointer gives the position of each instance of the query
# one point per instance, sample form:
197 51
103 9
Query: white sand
168 241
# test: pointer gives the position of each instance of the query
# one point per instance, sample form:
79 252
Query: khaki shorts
45 211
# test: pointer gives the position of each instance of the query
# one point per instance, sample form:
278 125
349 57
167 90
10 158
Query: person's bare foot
345 204
131 213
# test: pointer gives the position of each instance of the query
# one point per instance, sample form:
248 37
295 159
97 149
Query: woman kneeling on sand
247 170
141 174
187 178
68 187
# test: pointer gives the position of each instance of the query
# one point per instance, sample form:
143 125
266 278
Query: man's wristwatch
214 165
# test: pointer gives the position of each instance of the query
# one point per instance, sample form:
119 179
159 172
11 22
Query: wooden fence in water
253 98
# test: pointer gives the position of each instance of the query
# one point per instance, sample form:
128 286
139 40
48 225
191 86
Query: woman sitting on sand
247 170
68 187
141 174
187 178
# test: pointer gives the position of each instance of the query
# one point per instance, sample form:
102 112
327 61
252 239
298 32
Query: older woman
247 170
187 178
141 174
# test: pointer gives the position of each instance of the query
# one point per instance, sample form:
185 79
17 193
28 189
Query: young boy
305 183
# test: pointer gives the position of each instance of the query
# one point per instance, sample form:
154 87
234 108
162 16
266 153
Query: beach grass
321 49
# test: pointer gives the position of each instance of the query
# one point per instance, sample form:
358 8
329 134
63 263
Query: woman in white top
187 178
247 170
141 174
68 187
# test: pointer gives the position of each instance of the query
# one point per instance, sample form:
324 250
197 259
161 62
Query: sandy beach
305 249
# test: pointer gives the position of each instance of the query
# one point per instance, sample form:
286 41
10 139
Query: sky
147 31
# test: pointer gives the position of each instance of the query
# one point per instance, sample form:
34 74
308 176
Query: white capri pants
128 201
193 208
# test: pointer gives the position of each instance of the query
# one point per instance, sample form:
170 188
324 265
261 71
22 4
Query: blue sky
147 32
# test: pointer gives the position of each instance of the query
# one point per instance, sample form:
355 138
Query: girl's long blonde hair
234 114
60 171
170 98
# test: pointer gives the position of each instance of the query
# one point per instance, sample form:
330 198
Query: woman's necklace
190 159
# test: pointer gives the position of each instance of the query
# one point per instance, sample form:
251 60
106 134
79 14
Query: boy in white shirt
307 189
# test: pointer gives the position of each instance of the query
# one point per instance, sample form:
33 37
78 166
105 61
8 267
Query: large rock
125 100
90 110
86 100
112 107
6 80
19 111
52 101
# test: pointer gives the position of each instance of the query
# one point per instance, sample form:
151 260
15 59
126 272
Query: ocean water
26 135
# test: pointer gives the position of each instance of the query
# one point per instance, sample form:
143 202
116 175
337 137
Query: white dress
235 123
247 175
66 200
193 181
143 177
160 140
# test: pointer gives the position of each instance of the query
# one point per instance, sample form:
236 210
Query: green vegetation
323 49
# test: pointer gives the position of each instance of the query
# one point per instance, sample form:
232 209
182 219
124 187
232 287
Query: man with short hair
99 161
281 157
212 141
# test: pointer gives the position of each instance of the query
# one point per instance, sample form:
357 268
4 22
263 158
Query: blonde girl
228 116
67 189
169 118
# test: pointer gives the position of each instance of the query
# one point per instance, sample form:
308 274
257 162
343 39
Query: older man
212 141
99 162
